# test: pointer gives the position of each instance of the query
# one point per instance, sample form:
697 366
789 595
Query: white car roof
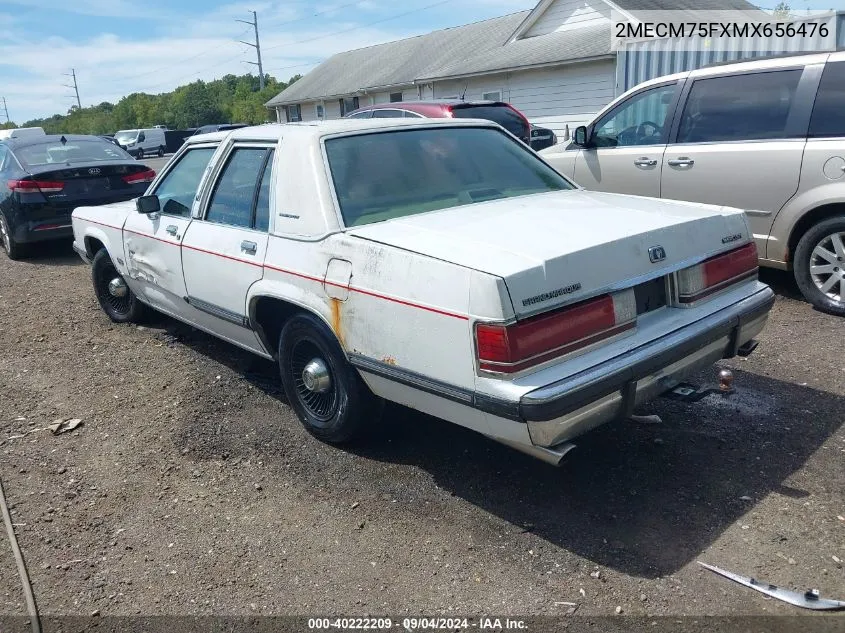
275 131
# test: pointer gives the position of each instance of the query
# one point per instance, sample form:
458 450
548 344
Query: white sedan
439 264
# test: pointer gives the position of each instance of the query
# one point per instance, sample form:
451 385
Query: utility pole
74 86
256 46
6 110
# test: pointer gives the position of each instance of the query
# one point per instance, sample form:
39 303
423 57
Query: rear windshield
387 175
85 151
503 115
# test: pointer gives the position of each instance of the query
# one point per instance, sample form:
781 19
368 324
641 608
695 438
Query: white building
554 63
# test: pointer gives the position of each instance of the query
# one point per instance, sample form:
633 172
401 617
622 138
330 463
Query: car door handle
683 161
172 228
645 162
249 247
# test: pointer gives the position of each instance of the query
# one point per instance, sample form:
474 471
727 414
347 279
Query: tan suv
767 136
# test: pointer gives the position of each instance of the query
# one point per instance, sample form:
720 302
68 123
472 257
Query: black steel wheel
326 392
114 295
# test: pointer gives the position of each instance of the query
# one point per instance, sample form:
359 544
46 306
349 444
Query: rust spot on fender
337 325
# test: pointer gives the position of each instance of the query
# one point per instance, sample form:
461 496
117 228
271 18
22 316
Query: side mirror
580 136
148 205
142 137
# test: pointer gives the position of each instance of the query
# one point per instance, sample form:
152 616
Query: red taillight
716 273
449 112
512 348
35 186
142 176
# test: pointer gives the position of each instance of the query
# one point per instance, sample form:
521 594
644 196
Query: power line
74 86
256 46
361 26
179 61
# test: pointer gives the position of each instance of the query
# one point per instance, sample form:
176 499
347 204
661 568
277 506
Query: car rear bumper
557 412
57 228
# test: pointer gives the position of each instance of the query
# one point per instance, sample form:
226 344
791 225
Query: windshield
389 175
128 135
83 151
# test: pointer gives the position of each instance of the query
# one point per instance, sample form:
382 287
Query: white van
20 132
142 143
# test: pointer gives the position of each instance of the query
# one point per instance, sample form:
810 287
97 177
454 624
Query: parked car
21 132
542 137
502 113
219 127
140 143
767 136
44 177
439 264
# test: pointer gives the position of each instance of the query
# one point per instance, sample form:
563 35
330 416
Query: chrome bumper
562 410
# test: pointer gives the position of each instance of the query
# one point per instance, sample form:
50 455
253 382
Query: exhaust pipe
552 455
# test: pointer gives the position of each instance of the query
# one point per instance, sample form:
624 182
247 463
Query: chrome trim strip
482 402
217 311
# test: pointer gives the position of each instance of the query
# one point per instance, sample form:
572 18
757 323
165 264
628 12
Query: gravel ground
191 488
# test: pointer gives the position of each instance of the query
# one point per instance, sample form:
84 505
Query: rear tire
13 249
160 151
116 299
326 392
819 265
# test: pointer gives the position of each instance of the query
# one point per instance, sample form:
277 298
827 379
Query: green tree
230 99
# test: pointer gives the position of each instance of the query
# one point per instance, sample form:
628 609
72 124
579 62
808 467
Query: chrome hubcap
827 266
118 288
316 376
4 235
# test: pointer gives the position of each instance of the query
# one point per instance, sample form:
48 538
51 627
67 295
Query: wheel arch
810 218
94 240
269 307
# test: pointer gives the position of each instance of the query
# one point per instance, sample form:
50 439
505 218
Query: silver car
767 136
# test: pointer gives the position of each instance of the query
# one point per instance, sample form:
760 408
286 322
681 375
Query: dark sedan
44 178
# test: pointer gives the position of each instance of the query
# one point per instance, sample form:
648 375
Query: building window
320 112
348 105
496 95
293 113
395 97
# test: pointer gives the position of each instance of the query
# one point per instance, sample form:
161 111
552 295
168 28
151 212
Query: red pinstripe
294 273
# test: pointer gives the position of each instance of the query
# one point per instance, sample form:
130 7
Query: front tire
819 265
116 299
327 394
13 249
139 155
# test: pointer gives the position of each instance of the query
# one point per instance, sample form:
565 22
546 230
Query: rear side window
739 107
234 193
387 175
829 110
503 115
75 151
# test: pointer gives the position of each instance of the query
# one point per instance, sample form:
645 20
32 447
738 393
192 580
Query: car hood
571 243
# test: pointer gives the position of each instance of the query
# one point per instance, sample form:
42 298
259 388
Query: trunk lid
558 247
92 183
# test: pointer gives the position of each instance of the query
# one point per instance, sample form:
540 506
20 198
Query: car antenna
463 94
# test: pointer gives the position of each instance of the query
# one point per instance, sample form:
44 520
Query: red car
502 113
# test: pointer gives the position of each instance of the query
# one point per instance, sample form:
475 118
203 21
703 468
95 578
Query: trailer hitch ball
726 379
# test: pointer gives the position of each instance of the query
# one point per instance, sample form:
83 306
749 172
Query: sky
118 47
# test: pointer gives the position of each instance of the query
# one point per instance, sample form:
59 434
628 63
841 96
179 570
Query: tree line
231 99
